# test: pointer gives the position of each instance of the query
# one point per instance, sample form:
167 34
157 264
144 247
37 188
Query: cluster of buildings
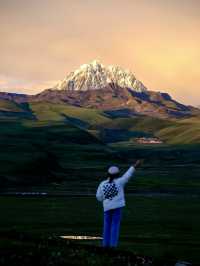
145 140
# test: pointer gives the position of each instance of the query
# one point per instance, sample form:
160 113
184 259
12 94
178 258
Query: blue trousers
112 219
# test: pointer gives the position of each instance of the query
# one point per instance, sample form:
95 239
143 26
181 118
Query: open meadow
67 162
158 226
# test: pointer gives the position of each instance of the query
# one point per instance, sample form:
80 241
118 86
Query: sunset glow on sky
158 40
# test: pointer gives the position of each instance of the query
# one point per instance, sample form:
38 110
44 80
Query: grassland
41 152
171 131
60 112
61 150
154 226
6 105
166 168
47 152
183 131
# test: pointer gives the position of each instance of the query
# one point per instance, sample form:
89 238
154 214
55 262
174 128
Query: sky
158 40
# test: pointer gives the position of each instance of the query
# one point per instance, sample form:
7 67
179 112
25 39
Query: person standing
111 193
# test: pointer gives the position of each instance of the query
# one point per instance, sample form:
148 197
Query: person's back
111 193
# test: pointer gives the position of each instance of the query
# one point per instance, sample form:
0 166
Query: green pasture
157 226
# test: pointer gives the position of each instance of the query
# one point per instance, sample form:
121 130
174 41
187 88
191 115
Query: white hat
113 170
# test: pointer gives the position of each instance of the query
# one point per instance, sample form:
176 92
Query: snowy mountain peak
95 76
95 63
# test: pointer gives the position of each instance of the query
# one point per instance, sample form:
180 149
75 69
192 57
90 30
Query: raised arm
128 174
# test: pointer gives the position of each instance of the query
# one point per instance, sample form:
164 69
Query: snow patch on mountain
95 76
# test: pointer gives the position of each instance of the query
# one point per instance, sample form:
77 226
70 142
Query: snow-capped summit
95 76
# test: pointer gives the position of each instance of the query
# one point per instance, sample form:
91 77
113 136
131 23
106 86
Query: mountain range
109 88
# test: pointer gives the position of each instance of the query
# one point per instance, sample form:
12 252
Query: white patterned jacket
112 194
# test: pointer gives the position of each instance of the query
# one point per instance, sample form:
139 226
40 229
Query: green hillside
10 110
103 126
59 112
183 131
6 105
40 152
186 131
140 123
58 142
170 131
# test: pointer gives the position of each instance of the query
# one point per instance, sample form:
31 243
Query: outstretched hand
137 163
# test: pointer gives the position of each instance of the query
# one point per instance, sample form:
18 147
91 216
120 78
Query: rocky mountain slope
110 89
116 98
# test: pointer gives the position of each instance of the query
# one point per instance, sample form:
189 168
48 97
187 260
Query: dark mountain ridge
113 97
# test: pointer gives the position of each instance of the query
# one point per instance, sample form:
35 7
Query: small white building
145 140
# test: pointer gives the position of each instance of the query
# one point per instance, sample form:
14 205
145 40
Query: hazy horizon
42 41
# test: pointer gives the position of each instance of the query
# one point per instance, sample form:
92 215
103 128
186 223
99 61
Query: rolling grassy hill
185 131
182 131
10 110
176 131
10 106
60 112
41 152
59 142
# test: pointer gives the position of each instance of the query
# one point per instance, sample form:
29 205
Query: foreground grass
155 226
24 249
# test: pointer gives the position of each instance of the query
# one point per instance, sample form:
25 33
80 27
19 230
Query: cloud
24 86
